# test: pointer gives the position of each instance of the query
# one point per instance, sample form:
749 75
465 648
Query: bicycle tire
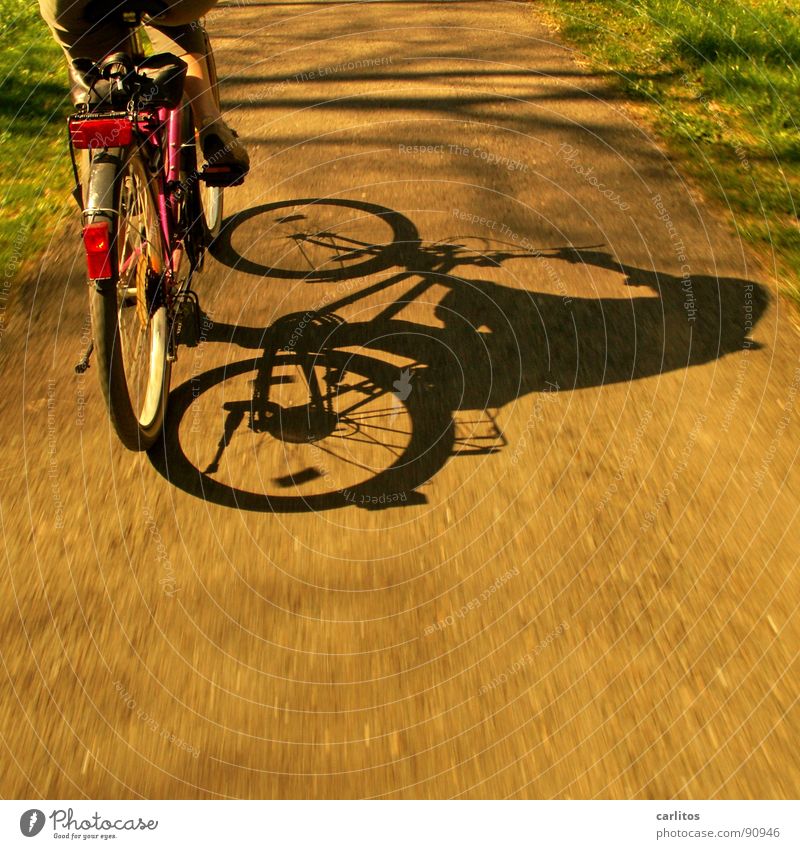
212 206
129 314
211 197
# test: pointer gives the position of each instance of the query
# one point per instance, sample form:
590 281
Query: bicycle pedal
222 176
186 327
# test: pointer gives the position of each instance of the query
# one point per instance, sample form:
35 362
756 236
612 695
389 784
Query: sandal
227 160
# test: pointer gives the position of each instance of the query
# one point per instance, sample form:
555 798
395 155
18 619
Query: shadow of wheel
430 439
316 239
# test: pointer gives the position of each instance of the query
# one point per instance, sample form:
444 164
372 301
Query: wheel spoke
359 423
370 440
346 460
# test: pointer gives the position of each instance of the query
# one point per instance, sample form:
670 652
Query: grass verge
35 178
724 81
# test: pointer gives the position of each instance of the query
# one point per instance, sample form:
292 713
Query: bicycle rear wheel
211 204
129 313
211 196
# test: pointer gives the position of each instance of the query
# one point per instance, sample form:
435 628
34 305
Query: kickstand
83 362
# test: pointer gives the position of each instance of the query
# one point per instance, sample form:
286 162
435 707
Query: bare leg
191 44
199 91
221 146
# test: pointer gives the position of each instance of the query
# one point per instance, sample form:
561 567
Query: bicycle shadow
489 345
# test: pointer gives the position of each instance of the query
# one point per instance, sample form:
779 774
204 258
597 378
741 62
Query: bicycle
148 216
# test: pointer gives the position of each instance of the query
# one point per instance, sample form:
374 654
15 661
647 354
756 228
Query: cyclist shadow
481 346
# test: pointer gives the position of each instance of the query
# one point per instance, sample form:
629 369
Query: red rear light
88 133
97 241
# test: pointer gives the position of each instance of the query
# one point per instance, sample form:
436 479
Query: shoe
227 160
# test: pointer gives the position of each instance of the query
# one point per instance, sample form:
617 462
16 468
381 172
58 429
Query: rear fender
101 202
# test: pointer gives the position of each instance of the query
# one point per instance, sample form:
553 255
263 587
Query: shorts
176 31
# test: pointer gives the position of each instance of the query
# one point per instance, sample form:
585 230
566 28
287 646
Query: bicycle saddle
164 74
156 82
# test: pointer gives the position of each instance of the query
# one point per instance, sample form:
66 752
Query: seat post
135 45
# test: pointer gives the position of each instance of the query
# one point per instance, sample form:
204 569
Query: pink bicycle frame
167 199
168 210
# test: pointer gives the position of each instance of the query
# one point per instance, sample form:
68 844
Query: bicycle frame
168 188
158 132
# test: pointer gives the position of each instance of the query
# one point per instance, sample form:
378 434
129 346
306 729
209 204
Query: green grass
724 81
35 177
722 75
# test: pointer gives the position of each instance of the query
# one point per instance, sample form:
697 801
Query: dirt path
567 384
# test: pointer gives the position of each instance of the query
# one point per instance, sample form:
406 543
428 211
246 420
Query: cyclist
87 29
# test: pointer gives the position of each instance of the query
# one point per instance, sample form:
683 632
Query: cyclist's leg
190 42
79 37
